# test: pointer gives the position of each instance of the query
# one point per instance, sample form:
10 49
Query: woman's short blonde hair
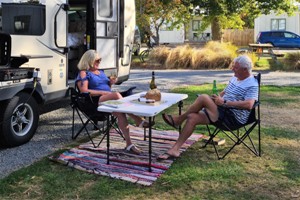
87 60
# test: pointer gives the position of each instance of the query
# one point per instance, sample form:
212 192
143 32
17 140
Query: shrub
292 61
212 56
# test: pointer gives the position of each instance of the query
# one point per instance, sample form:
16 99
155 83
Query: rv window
22 18
105 8
21 23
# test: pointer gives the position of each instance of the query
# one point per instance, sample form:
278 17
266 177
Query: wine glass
113 77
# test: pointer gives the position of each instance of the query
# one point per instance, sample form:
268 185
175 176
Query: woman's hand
113 80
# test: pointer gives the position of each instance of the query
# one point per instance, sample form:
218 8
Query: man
241 92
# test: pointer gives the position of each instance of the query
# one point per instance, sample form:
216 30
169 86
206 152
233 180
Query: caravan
48 37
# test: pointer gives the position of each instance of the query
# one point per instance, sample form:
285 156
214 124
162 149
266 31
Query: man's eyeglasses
98 60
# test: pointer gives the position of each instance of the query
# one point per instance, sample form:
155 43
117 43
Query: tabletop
131 105
267 45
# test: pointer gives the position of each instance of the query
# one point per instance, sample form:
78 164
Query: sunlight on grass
197 174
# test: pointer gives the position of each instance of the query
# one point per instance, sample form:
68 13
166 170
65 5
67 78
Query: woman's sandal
133 149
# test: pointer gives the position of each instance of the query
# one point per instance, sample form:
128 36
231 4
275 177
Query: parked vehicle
279 39
137 41
52 36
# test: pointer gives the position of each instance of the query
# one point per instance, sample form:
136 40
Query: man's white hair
244 62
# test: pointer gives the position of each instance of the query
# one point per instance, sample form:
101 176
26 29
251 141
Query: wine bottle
152 82
215 89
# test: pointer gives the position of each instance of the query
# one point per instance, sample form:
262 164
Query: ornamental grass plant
214 55
292 61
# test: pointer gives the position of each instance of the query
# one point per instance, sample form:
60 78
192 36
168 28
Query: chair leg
236 139
84 126
110 123
210 140
73 122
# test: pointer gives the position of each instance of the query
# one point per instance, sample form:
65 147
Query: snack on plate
153 94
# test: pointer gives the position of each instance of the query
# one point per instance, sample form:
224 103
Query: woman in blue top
93 80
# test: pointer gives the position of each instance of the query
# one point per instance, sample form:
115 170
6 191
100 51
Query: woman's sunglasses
98 60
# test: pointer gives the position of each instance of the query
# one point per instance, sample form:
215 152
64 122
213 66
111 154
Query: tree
156 13
232 13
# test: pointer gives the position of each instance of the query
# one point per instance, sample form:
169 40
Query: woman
93 80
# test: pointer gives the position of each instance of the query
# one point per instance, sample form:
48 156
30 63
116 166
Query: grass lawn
197 174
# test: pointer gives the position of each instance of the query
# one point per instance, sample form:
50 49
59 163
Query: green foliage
238 13
159 13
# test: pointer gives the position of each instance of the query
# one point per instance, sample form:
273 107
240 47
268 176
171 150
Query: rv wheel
19 120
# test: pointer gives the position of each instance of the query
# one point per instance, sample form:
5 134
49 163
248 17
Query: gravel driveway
54 130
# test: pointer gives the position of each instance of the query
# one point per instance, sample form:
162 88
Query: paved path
54 130
167 79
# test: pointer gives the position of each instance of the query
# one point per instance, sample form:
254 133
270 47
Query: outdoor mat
124 165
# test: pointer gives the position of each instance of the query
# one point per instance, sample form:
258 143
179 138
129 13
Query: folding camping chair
85 106
235 135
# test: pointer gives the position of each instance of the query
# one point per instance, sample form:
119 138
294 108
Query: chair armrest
127 92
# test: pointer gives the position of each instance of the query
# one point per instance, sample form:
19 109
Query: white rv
48 38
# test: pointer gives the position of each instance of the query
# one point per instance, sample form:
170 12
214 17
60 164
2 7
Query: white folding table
131 105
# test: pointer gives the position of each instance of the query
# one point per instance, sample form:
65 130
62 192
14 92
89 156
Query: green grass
196 175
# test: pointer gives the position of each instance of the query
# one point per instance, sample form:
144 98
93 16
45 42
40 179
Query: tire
19 120
144 55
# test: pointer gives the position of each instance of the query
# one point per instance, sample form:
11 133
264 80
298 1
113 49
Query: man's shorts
227 117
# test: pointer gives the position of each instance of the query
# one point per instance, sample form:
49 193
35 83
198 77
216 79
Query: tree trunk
216 30
156 38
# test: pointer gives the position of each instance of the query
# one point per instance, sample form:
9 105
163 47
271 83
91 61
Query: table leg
145 136
150 143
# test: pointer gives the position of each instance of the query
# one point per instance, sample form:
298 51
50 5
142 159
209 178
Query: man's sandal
169 120
167 156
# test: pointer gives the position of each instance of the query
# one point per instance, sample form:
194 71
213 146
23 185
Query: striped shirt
240 91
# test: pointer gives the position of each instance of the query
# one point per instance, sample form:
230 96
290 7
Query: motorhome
48 37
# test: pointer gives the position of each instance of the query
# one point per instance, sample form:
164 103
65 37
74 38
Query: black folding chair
85 106
241 133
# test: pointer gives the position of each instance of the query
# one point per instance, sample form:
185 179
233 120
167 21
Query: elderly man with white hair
241 92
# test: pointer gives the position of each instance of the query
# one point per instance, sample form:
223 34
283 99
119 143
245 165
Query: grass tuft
214 55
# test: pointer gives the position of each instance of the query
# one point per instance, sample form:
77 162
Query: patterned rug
124 165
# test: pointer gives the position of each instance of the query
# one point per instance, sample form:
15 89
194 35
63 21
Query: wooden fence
238 37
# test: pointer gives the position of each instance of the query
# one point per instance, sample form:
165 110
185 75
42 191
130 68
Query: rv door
115 23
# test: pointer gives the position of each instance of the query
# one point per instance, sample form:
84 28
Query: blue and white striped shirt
240 91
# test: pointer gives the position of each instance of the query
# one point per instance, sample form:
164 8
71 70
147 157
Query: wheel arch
10 92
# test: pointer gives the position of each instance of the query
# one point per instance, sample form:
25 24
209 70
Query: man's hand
217 99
